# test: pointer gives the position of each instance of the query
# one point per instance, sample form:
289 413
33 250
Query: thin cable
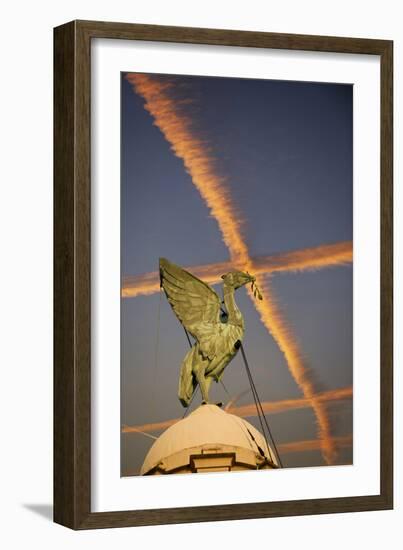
158 335
197 385
260 407
225 389
187 336
254 391
264 418
156 352
255 398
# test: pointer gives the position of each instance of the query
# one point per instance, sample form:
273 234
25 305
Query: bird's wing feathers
195 303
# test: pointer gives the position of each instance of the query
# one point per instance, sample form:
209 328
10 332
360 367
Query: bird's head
237 279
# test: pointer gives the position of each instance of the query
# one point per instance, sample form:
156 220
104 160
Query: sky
207 161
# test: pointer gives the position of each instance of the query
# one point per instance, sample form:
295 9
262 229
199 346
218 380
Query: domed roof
207 425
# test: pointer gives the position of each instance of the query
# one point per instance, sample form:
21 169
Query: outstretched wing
196 304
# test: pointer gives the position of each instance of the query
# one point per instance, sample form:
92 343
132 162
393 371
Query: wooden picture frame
72 270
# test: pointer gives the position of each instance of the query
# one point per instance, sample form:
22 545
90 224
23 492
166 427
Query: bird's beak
251 278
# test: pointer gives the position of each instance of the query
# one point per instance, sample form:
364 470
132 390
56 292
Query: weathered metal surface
217 326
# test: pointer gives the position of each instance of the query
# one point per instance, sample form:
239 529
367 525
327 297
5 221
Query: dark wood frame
72 320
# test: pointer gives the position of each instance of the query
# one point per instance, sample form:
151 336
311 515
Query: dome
209 439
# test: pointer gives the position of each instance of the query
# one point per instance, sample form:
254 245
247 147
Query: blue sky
285 150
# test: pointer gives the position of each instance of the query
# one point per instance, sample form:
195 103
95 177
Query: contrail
307 259
177 129
134 429
292 447
269 407
273 320
312 445
231 403
274 407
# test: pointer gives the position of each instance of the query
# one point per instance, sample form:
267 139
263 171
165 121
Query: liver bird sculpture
217 326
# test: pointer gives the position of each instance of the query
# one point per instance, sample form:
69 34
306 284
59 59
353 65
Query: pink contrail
269 407
342 441
307 259
312 445
177 129
195 156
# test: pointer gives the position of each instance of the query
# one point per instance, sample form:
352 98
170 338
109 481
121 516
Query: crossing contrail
199 163
312 445
307 259
249 410
341 441
176 129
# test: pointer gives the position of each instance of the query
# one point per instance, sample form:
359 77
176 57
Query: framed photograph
222 275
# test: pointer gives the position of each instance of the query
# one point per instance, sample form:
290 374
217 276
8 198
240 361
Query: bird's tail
187 381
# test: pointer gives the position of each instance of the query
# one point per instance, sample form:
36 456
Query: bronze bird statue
217 327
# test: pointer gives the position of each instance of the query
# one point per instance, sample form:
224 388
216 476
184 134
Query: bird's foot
219 404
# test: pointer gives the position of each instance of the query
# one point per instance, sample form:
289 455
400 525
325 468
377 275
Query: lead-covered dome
209 439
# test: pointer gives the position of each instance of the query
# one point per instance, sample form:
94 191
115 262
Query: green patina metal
217 331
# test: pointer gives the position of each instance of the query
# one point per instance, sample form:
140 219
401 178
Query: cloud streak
195 154
176 128
343 441
307 259
272 318
313 445
249 410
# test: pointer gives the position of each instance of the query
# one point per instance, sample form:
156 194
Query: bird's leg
204 382
207 382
